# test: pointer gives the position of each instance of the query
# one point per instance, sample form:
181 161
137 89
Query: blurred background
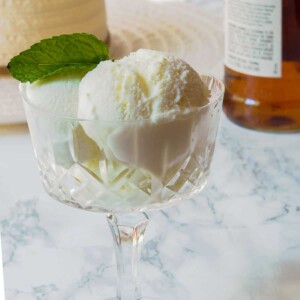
125 24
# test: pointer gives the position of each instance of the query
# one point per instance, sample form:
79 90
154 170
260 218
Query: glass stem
128 231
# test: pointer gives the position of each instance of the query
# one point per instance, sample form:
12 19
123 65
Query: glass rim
218 98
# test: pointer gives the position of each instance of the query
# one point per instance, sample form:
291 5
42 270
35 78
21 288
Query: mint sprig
63 53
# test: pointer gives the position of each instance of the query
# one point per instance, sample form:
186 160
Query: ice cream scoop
155 98
57 94
147 84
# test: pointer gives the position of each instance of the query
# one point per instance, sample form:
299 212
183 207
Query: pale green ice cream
57 94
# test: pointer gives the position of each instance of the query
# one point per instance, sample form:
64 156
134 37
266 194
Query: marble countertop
237 240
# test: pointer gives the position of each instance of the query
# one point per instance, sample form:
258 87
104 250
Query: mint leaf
68 52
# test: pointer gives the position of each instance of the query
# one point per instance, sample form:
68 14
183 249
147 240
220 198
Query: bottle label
253 37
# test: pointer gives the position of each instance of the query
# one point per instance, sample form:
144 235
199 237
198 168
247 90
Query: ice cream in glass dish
118 136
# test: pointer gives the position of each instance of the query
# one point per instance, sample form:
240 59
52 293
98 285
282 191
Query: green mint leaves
63 53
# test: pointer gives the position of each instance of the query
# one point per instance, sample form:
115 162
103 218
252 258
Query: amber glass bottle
262 64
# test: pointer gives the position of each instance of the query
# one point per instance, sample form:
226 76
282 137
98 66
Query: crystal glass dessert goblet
124 168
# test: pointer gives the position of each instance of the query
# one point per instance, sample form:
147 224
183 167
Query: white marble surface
237 240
